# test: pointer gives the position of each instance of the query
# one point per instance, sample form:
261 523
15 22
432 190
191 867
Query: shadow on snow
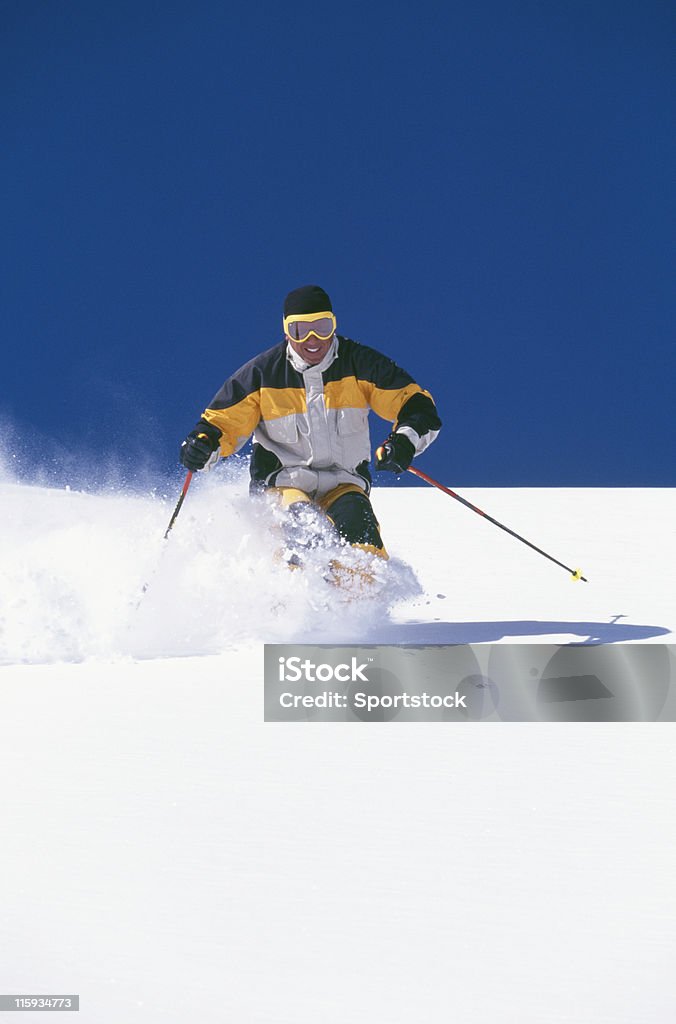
490 632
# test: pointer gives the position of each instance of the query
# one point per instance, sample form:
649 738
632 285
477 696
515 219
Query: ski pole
575 573
180 501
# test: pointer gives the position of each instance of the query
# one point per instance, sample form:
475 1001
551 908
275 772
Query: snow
171 857
76 563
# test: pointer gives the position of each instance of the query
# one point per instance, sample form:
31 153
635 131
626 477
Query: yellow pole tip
577 575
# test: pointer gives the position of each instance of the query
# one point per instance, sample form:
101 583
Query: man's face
313 350
307 335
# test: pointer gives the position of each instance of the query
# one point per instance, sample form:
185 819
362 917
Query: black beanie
308 299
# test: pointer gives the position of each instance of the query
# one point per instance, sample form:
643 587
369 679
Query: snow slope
171 857
74 566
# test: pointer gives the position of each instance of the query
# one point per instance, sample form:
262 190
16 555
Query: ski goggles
301 326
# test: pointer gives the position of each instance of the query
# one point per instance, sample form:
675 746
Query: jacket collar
300 364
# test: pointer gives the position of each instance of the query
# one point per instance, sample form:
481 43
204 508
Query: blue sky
484 189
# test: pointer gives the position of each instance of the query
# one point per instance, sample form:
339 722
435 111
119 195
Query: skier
306 401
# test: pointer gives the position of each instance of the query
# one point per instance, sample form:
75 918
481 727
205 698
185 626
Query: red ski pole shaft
575 573
180 501
184 491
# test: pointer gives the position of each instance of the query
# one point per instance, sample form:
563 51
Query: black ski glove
395 454
199 445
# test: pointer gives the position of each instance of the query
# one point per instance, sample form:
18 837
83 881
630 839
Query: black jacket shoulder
367 364
270 369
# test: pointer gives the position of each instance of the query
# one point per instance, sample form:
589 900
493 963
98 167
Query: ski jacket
310 423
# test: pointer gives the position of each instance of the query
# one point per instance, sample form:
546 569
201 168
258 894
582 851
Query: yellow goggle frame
308 318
